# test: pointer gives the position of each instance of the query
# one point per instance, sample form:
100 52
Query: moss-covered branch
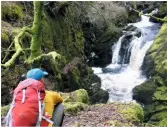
53 54
36 31
149 15
158 19
18 48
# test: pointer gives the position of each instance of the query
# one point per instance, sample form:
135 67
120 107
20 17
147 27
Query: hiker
33 105
53 101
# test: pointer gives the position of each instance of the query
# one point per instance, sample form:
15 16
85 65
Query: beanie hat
36 73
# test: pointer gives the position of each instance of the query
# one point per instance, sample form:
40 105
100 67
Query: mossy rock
4 110
11 11
161 94
143 93
163 123
80 95
133 113
158 117
74 107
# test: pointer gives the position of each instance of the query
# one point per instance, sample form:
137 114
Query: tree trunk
36 31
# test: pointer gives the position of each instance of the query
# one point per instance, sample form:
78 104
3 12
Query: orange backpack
28 104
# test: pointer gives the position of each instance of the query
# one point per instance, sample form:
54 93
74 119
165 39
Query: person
54 108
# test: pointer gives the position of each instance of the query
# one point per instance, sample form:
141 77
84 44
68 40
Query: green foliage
4 110
10 11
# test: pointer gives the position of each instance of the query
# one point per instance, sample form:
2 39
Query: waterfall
116 48
123 74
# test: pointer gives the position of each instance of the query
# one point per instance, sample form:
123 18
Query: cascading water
123 74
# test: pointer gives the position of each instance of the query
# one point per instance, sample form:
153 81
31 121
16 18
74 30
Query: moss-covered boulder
75 101
80 95
143 93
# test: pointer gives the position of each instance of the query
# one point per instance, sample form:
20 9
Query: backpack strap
48 120
41 109
8 118
24 95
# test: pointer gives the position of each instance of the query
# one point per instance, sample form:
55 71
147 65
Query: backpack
28 104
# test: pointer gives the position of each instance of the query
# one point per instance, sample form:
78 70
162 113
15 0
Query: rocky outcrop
152 93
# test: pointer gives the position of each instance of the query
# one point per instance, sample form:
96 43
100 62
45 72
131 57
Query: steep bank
152 93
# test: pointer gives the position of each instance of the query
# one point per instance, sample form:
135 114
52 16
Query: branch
53 54
7 52
158 19
149 15
18 48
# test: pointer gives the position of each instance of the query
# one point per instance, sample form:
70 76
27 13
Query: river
124 73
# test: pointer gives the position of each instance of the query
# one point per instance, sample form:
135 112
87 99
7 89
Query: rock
80 95
143 93
75 101
154 67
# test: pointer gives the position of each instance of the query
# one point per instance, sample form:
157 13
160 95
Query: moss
117 123
159 116
133 113
4 110
163 123
80 95
75 75
162 9
161 94
11 11
36 31
74 107
4 37
143 93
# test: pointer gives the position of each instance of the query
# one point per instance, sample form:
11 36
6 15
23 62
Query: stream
124 73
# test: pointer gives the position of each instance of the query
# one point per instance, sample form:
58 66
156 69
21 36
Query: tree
35 32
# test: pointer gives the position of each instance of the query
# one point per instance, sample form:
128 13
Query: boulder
75 101
143 93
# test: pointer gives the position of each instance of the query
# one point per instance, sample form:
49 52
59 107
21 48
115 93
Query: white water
120 79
